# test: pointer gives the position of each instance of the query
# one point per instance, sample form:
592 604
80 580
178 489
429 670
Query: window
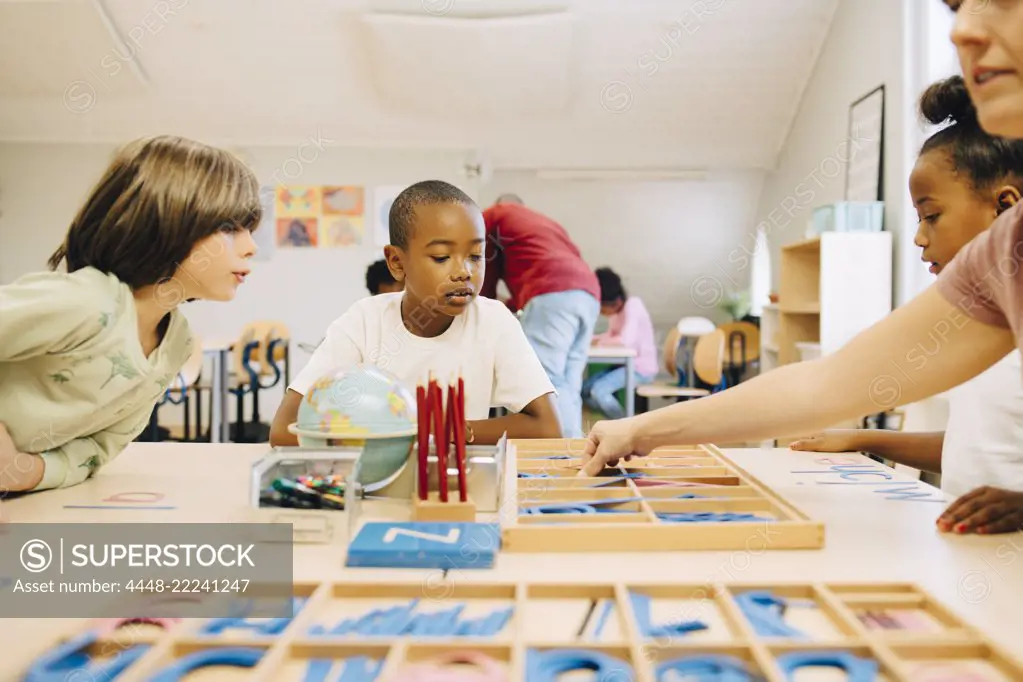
940 60
929 56
760 285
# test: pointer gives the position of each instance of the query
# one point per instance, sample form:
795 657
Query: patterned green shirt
75 385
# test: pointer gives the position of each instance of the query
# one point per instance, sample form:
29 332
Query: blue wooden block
425 545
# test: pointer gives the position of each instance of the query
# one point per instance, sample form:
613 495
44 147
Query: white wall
672 241
41 187
669 240
677 244
864 49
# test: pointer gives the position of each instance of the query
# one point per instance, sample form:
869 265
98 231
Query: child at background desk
963 180
629 326
85 355
438 324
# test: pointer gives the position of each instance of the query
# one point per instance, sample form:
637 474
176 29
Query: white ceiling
602 84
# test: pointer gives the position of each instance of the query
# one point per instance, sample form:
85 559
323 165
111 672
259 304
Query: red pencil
450 416
440 443
453 427
422 439
459 401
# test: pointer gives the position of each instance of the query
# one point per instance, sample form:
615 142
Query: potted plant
736 304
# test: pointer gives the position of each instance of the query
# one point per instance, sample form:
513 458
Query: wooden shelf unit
832 287
769 321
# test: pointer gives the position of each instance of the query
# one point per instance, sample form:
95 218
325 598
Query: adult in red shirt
556 291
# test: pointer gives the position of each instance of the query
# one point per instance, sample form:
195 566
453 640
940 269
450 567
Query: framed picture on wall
864 157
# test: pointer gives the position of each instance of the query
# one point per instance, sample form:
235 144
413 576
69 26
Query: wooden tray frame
894 650
643 531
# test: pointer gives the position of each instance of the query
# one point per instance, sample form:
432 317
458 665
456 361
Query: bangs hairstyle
983 159
158 198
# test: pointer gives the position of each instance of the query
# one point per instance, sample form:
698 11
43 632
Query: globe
361 406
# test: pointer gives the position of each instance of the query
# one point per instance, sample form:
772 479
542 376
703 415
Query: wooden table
868 538
620 355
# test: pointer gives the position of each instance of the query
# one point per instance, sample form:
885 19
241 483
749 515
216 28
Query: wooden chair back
260 332
669 353
276 331
734 333
709 357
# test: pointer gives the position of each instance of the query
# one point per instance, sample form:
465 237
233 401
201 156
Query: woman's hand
609 442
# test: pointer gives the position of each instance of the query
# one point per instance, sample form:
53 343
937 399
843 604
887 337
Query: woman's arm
538 419
921 349
917 450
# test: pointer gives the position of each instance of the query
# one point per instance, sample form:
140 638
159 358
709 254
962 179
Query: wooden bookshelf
832 287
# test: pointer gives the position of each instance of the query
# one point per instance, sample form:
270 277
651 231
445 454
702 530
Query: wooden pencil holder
433 509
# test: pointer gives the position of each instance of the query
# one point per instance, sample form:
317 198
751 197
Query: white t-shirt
984 436
485 344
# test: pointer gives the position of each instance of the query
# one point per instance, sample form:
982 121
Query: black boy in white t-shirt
438 324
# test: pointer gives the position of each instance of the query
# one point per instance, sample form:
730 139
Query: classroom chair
258 356
742 341
690 330
708 367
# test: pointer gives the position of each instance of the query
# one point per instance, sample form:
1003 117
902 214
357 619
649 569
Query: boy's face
445 259
214 269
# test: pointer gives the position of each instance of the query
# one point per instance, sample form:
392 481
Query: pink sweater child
631 327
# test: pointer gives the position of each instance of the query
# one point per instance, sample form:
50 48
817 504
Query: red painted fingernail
961 528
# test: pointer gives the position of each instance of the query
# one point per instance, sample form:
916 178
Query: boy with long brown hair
85 354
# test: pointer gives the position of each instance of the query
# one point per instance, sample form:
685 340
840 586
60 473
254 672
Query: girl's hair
159 197
611 288
984 159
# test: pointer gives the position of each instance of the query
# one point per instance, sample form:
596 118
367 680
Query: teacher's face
988 36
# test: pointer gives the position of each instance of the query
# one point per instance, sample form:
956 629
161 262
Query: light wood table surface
868 538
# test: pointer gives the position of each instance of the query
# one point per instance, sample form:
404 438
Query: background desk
619 355
868 538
